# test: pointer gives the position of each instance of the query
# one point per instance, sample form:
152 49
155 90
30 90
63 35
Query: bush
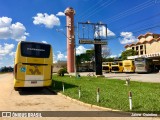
61 72
65 70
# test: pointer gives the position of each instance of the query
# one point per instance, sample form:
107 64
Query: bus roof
33 42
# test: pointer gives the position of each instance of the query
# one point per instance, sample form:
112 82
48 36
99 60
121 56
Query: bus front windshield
115 63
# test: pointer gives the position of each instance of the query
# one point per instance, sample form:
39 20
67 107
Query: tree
90 55
81 58
127 53
107 59
6 69
78 60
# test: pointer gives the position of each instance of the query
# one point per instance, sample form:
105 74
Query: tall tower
69 12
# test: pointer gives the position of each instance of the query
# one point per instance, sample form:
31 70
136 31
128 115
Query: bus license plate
33 82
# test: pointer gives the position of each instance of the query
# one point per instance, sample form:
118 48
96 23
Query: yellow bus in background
33 65
117 66
128 66
106 66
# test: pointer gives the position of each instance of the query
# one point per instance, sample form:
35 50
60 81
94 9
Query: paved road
36 100
151 77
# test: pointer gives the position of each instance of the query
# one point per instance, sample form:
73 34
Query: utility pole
75 67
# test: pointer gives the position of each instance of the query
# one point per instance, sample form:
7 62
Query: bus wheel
16 88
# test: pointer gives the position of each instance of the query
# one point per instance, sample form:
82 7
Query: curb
86 104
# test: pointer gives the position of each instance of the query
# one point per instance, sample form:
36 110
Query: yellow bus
106 66
33 65
117 66
128 66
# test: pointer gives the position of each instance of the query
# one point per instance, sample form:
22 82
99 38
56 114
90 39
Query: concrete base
100 76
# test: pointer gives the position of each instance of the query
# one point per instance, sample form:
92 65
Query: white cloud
80 49
6 49
110 33
102 32
1 57
5 22
54 58
12 54
5 52
15 31
54 61
113 56
60 56
18 32
105 47
48 20
44 41
60 14
127 37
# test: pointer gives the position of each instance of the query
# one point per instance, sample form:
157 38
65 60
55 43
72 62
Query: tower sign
93 33
69 12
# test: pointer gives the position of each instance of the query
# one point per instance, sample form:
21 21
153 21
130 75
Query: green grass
113 92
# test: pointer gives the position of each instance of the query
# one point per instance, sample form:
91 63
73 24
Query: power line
130 11
98 9
144 29
83 13
87 10
149 28
127 12
140 21
144 25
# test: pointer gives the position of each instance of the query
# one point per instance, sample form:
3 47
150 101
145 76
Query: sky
44 21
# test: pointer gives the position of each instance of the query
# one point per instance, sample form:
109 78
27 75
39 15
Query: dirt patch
28 104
